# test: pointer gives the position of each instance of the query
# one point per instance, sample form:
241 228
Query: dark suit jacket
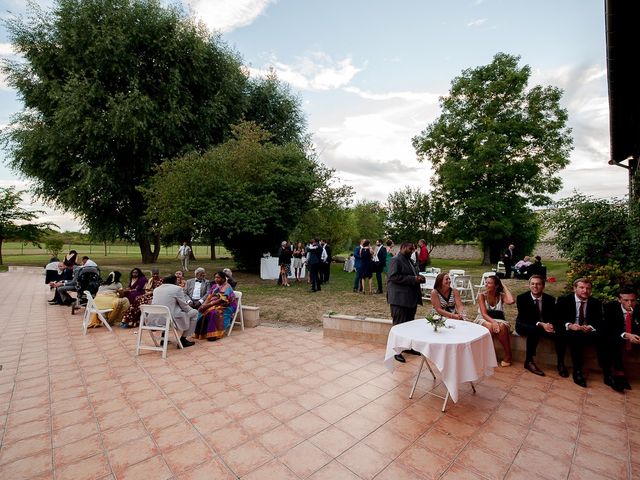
402 287
327 249
527 314
315 251
382 258
614 320
566 313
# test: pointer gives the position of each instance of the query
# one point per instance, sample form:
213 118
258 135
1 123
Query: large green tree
15 220
369 220
248 192
495 150
112 88
412 215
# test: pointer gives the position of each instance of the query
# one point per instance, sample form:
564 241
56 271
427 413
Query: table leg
473 387
418 376
432 374
444 405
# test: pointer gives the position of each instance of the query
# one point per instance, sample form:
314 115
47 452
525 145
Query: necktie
581 314
627 328
538 313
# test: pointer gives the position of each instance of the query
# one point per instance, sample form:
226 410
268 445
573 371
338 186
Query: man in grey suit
403 288
197 288
172 296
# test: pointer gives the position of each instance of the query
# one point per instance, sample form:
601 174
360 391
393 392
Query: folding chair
156 318
234 320
500 268
464 285
427 286
90 308
483 280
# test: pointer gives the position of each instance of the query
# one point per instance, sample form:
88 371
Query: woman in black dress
366 265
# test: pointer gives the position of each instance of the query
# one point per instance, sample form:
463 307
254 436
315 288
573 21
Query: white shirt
196 289
89 263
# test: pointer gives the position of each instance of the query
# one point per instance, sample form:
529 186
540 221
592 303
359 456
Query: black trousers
379 277
324 272
533 335
403 314
578 340
313 276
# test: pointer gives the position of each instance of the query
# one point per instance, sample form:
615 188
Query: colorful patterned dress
213 322
132 317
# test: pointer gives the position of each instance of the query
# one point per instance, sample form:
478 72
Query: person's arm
507 296
459 306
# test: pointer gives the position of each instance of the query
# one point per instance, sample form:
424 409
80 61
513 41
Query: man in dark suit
403 287
509 259
357 258
313 261
622 320
325 257
536 313
579 319
379 262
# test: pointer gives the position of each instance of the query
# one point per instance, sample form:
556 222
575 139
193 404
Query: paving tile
11 452
443 444
279 440
174 435
482 462
227 438
153 467
599 462
364 460
274 469
127 455
72 452
74 433
116 437
334 471
187 455
542 463
26 430
210 470
246 458
304 459
89 468
27 467
419 459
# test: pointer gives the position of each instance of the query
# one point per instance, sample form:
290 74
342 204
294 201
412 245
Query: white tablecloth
461 354
270 270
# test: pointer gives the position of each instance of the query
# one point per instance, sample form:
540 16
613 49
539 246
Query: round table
462 351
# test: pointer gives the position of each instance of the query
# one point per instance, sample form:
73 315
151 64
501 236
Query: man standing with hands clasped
403 289
536 313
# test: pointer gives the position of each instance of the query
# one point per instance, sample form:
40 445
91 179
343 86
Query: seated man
623 323
536 312
197 288
537 268
520 268
172 296
579 319
63 287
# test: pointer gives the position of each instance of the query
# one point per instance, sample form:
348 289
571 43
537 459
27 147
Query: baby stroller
89 279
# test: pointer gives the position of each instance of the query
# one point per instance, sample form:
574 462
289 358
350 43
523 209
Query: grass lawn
281 305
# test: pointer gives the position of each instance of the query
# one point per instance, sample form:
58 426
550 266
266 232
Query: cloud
317 71
476 23
426 97
227 15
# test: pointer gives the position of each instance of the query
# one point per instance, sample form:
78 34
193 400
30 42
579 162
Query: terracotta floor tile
246 458
599 462
477 460
117 437
407 426
227 438
398 471
241 409
185 456
26 430
498 445
519 473
24 448
443 444
73 452
153 468
615 446
89 468
456 472
364 461
542 463
556 429
455 427
334 471
271 470
552 445
281 439
27 466
308 424
208 422
154 423
211 470
580 473
304 459
67 419
28 403
174 435
259 423
26 416
114 419
357 425
603 429
287 410
130 454
424 461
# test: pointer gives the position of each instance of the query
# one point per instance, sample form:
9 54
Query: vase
435 327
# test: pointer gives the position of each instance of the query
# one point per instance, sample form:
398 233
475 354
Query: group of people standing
316 255
575 320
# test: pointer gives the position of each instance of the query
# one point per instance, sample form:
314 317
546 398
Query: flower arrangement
435 320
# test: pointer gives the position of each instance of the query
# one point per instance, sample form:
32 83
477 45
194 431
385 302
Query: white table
270 270
463 353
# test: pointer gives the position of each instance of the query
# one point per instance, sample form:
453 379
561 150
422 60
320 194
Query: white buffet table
463 353
270 270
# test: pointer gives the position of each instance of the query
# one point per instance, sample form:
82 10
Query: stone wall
471 251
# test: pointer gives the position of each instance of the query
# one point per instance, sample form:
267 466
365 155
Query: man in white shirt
197 288
184 252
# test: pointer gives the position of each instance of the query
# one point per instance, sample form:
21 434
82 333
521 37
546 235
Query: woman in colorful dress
445 299
132 317
108 297
137 281
217 310
491 313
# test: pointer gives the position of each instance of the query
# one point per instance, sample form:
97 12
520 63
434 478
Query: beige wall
471 251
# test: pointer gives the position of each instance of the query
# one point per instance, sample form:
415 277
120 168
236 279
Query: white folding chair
483 280
156 318
435 270
234 320
90 308
427 286
464 285
500 267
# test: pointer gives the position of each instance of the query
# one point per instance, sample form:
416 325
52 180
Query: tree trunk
192 257
148 255
213 249
1 240
486 254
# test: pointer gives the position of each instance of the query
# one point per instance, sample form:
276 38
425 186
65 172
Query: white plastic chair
160 322
483 280
464 285
90 308
435 270
500 267
427 286
234 320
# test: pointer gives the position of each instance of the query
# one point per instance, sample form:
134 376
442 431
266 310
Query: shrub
606 279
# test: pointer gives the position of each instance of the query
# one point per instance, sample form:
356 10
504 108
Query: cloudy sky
369 74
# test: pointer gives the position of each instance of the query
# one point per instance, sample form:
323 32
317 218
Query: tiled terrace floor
279 404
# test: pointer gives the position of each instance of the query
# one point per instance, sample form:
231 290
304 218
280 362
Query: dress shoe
211 339
562 371
622 380
399 358
533 368
55 303
613 383
578 379
412 352
186 343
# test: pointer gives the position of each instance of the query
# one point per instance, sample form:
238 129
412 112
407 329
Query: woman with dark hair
132 317
491 314
217 310
137 281
445 299
298 254
108 296
366 266
180 281
70 258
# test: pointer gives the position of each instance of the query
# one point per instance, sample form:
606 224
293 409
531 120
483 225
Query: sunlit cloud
227 15
426 97
315 72
476 23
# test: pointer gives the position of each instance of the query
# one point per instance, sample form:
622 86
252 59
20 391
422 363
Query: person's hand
420 279
587 328
548 327
633 338
574 327
496 327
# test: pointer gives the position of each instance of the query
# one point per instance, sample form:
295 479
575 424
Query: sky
369 74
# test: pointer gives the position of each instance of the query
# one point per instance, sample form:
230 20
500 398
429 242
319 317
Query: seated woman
180 281
70 259
445 299
491 314
217 310
137 281
108 296
132 317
